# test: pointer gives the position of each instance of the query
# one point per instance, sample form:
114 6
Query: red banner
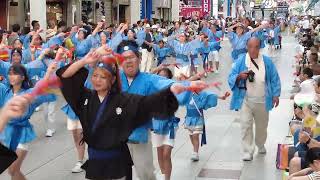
188 12
206 7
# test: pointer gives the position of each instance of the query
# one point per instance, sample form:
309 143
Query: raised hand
177 88
225 96
92 57
104 50
15 107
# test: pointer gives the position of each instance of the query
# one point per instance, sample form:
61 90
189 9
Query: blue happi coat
20 130
145 84
239 43
183 50
82 47
203 101
161 53
272 88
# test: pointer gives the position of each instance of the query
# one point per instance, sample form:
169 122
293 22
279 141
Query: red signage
188 12
200 11
206 7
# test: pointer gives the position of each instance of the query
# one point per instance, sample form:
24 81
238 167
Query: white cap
154 26
187 21
147 25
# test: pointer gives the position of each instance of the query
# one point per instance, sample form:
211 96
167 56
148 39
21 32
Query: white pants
146 60
253 113
123 178
185 70
50 114
143 161
213 56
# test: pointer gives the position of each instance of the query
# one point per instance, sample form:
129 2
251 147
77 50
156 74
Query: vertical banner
206 8
228 8
148 9
142 9
214 8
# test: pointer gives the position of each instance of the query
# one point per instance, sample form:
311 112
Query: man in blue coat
256 88
136 82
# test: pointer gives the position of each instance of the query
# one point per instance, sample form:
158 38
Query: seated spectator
314 63
313 172
303 140
306 85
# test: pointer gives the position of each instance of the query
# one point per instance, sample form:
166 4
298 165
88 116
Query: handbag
282 161
285 153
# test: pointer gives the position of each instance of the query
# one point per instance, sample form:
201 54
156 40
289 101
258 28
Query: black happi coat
122 114
7 157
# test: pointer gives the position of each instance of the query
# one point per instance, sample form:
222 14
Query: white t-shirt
305 24
306 87
256 89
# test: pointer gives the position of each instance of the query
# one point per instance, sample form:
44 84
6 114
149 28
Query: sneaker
77 168
262 150
247 157
160 176
205 74
216 72
50 132
195 156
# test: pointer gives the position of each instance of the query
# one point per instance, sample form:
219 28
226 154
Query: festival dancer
108 116
19 132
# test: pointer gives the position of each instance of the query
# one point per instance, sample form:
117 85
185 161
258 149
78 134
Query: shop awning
311 5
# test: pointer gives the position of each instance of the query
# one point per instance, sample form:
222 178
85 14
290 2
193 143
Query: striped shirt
314 176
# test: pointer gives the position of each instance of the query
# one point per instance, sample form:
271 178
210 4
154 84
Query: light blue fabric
206 30
82 47
158 37
277 33
239 44
211 46
55 40
143 84
161 52
26 55
183 51
272 88
214 37
204 100
19 130
147 84
263 36
165 127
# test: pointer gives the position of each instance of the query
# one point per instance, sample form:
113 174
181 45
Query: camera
251 76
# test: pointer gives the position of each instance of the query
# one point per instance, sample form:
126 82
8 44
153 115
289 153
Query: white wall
134 11
17 14
175 10
38 11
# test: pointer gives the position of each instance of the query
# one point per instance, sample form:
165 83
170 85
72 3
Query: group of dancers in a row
114 109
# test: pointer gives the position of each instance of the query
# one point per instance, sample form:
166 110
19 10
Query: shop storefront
162 9
121 11
56 10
